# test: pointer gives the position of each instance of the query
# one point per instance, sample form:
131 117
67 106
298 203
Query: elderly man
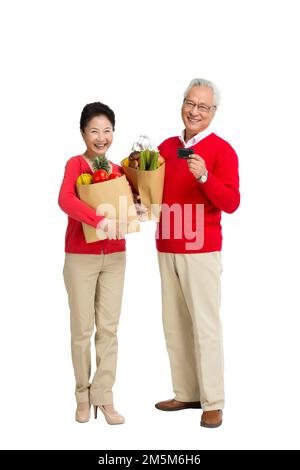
198 187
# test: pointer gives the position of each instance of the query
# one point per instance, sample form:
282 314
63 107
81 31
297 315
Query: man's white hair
207 83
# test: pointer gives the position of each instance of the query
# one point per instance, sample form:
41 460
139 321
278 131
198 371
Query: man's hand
196 165
113 229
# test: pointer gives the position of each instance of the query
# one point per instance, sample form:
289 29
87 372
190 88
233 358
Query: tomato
112 176
100 175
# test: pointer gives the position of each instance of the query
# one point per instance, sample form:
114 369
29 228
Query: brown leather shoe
211 419
175 405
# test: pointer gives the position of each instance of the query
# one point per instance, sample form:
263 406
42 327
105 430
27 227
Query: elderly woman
93 274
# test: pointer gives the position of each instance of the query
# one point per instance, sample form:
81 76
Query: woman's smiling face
98 136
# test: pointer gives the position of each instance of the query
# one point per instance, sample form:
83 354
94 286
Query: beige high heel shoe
82 414
110 414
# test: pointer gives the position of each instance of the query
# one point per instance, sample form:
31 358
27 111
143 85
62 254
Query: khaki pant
193 331
95 286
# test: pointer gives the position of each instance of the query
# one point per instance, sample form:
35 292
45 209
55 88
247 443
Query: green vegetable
148 160
154 161
143 162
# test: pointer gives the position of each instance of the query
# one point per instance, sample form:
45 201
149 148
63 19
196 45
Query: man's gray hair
207 83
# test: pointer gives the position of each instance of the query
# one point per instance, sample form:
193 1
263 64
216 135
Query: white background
138 57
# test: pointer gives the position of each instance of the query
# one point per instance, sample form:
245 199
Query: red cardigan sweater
219 193
79 212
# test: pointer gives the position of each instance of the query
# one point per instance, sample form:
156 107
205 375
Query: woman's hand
114 229
141 210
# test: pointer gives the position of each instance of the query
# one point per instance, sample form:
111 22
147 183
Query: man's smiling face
198 110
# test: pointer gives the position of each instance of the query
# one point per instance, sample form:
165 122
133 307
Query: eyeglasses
201 107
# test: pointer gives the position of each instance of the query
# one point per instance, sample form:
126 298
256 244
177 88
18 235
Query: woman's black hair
96 109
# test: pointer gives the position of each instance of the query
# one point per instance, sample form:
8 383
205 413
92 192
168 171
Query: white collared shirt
194 140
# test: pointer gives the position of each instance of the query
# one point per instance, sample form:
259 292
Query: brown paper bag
113 199
149 185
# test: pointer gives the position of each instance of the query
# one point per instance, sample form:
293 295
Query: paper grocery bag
149 185
113 199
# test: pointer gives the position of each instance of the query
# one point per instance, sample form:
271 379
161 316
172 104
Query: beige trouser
193 331
95 286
